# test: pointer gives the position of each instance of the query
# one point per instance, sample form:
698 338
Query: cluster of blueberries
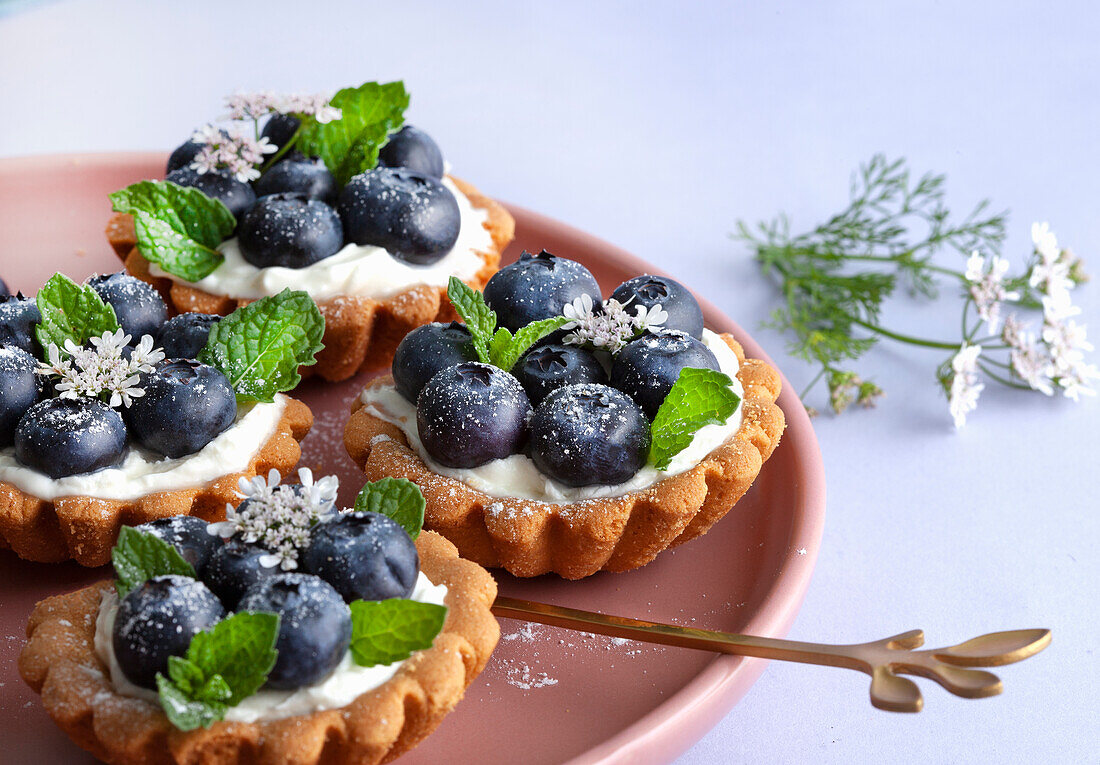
583 417
295 215
185 406
358 555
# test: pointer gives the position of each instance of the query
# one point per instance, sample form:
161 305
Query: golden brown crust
575 540
361 334
85 528
59 662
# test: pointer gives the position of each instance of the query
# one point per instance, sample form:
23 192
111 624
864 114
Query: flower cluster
253 106
610 327
231 149
279 517
101 371
1046 360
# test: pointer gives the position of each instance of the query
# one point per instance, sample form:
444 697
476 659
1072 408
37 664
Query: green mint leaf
350 145
177 227
699 397
396 498
385 631
480 319
527 336
502 338
260 346
224 665
139 556
241 649
71 311
184 710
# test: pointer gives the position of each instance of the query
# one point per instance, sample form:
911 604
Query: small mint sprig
396 498
138 556
222 666
350 145
385 631
498 347
71 311
260 346
699 397
177 227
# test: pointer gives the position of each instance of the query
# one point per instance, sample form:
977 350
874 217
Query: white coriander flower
965 384
314 104
1032 364
612 326
1046 243
250 106
101 372
986 277
233 150
1078 380
278 517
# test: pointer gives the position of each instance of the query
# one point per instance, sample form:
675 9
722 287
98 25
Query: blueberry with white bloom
364 555
158 619
538 287
413 149
647 368
19 388
69 436
186 533
682 309
314 627
548 367
425 351
412 216
235 567
289 230
139 308
280 128
184 336
185 406
18 317
298 175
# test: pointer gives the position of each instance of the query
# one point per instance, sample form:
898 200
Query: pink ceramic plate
548 695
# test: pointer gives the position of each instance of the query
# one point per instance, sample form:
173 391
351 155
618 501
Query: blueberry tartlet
290 632
337 197
555 431
110 412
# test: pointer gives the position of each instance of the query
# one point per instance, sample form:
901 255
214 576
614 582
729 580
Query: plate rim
682 719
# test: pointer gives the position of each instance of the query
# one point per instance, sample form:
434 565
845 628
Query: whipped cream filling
346 683
517 476
144 472
356 270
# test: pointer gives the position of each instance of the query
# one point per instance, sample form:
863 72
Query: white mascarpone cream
359 271
516 476
144 472
346 683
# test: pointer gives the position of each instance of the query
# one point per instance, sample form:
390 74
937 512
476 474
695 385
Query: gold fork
884 660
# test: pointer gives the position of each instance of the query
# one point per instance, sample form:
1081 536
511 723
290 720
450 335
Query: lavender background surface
658 125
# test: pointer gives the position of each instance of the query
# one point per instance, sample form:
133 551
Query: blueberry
188 535
4 291
158 619
414 149
185 153
314 627
280 128
647 368
425 351
548 367
472 413
413 216
234 568
299 175
684 313
185 406
66 436
238 196
18 317
139 308
538 287
364 556
19 389
183 336
589 434
291 231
